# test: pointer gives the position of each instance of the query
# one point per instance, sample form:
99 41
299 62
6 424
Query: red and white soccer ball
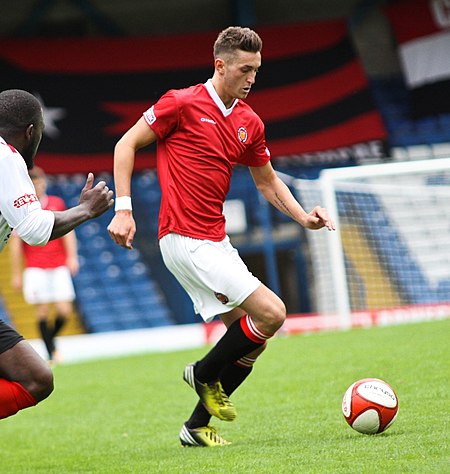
370 406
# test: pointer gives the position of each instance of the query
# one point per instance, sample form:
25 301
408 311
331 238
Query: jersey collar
215 97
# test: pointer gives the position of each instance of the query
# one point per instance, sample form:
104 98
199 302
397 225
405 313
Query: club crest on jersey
222 298
242 134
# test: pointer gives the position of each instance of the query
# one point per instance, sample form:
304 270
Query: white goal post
391 249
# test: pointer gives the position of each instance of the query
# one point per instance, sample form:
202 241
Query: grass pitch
124 415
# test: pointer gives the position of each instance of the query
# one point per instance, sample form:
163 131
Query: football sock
59 323
13 397
232 376
241 338
46 337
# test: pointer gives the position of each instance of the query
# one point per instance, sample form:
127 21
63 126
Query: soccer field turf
124 415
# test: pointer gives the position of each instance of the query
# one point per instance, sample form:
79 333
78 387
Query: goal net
392 244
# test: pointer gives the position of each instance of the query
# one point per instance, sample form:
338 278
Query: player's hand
122 229
73 265
97 199
319 218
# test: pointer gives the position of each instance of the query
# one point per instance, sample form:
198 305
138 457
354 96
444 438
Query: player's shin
46 336
60 321
241 338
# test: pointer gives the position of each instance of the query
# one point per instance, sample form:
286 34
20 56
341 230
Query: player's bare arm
71 246
279 195
123 227
94 201
16 257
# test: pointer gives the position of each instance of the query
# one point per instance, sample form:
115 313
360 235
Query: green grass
124 415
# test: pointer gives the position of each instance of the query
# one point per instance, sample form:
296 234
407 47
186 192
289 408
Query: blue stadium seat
114 288
394 103
404 270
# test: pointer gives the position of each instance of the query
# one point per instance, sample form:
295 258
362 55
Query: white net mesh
394 236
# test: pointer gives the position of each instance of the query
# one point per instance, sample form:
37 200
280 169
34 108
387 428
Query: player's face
240 73
29 151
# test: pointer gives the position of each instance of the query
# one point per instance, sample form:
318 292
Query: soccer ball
370 406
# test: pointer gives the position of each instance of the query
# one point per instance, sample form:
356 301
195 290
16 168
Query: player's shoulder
6 149
245 110
187 93
243 107
56 199
56 203
184 98
9 156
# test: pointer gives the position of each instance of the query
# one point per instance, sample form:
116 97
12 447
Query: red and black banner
311 91
422 30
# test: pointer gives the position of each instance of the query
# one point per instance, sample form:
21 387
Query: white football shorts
47 285
212 273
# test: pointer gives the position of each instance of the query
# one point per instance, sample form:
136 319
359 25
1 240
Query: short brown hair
237 37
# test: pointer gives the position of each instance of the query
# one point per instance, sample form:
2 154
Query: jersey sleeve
257 154
19 204
162 117
36 227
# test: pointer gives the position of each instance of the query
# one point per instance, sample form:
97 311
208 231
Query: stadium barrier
85 347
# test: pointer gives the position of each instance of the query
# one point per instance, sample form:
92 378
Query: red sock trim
13 397
251 331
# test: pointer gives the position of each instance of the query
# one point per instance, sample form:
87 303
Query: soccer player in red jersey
202 133
25 378
45 273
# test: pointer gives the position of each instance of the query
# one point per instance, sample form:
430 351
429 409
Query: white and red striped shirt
20 208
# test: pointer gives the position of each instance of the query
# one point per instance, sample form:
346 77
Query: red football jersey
199 142
53 254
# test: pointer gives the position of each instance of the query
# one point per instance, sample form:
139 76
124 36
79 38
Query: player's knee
41 386
279 316
275 315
